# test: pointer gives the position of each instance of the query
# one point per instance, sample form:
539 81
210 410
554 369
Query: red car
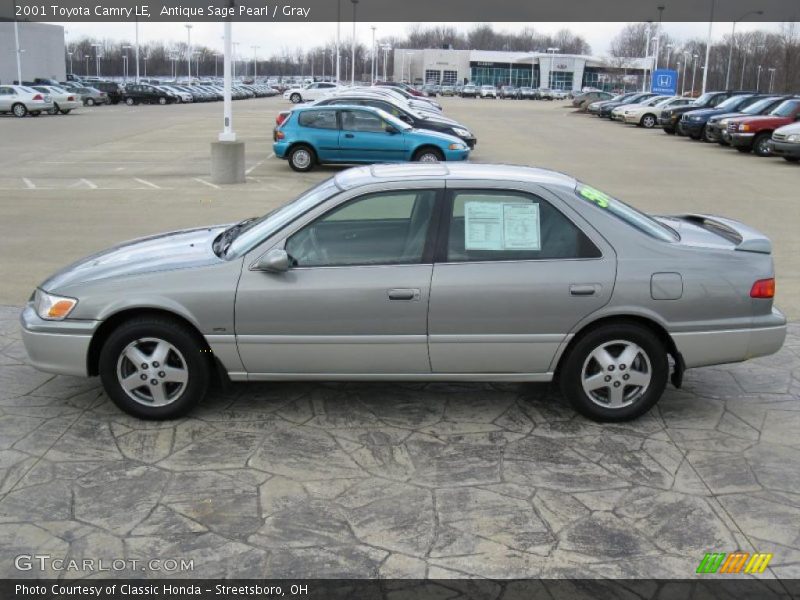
403 86
753 133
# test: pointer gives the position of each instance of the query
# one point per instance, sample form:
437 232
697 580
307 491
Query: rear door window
318 119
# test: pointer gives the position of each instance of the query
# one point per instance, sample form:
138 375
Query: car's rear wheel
761 144
66 111
162 100
791 158
36 113
129 101
90 102
54 110
154 368
669 130
295 98
616 372
302 158
428 155
19 110
648 121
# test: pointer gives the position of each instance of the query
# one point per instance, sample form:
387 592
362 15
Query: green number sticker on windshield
592 195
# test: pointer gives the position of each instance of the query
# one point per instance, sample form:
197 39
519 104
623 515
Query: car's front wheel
154 368
761 144
90 102
19 110
428 155
648 121
302 158
54 110
66 111
616 372
162 101
295 98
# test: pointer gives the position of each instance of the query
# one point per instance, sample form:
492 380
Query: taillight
70 98
279 135
38 97
763 288
281 118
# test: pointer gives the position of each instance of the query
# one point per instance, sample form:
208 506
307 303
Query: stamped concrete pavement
402 480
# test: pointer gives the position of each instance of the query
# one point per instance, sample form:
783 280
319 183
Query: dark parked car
594 108
114 91
693 123
717 124
416 120
142 93
754 133
670 118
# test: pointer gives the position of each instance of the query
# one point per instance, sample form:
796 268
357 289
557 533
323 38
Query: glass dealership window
449 77
561 80
499 75
432 76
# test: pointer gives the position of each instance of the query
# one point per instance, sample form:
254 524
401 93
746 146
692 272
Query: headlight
457 147
723 123
794 138
461 132
52 307
695 118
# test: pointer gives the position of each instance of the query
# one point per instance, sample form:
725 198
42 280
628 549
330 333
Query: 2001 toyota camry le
417 272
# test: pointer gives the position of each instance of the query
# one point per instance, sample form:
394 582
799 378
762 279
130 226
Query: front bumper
692 128
456 155
741 140
60 347
792 150
704 348
713 132
669 122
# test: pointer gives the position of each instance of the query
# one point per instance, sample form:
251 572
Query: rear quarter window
318 119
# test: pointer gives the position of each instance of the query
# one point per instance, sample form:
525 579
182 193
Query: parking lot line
255 166
147 183
88 184
208 183
28 183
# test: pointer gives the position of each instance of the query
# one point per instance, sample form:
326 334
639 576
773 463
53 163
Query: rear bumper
60 347
784 149
704 348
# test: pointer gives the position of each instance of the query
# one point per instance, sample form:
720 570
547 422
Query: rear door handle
349 135
582 290
403 294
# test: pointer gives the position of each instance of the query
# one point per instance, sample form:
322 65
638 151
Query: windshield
258 230
703 100
626 213
731 102
757 107
666 101
785 109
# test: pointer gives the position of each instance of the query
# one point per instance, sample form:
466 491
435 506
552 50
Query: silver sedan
456 272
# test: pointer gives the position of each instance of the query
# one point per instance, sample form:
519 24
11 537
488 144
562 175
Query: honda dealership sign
665 81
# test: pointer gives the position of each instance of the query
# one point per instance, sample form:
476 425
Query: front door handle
349 135
403 294
582 290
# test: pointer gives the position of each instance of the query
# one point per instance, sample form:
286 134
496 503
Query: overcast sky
272 37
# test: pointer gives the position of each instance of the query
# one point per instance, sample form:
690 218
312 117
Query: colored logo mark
733 563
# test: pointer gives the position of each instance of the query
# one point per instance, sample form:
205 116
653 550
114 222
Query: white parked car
64 101
618 113
646 114
488 91
559 94
181 95
21 100
313 91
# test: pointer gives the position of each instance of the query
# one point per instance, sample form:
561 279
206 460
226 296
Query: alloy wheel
301 158
428 157
152 372
616 374
20 110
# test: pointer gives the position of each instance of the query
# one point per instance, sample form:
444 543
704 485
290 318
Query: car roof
380 173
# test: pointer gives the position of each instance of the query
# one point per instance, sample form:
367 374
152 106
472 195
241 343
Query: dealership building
522 69
42 55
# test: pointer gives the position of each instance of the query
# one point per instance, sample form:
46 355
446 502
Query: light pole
70 63
137 52
86 69
646 56
338 39
324 56
125 62
686 57
189 49
658 34
733 38
694 70
353 66
771 77
708 46
18 52
758 79
196 54
255 62
385 48
372 51
145 59
552 53
216 62
97 57
669 53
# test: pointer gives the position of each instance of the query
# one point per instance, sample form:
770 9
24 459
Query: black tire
66 111
650 359
162 101
19 110
36 113
189 352
427 154
90 102
648 121
130 101
54 110
669 130
706 136
296 98
791 158
760 144
302 158
743 149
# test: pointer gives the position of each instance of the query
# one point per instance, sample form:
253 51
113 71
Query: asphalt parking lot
366 480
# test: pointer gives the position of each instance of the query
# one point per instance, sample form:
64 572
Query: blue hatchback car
358 134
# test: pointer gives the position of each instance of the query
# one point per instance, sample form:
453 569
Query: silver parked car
417 272
20 100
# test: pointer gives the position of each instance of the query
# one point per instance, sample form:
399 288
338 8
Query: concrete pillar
227 162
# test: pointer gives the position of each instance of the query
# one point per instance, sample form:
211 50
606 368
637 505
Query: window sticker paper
521 230
483 226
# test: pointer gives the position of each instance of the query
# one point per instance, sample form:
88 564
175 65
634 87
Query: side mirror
274 261
391 130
